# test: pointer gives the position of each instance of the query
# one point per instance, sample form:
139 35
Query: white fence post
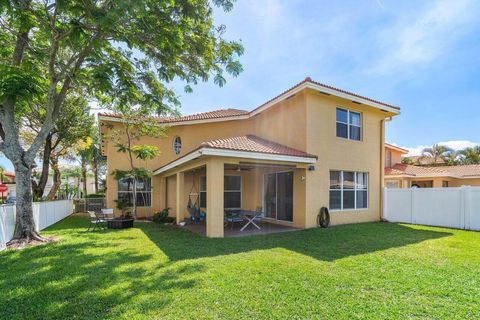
466 207
443 207
44 213
385 203
413 218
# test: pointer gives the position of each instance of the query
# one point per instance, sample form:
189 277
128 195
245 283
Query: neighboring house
72 181
312 146
426 161
399 175
8 178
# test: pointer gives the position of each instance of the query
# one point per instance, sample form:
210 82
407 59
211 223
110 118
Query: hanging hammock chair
193 206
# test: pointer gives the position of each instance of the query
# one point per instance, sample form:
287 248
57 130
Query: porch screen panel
270 183
232 195
203 191
285 196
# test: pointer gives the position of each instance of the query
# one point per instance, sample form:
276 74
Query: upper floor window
349 124
177 144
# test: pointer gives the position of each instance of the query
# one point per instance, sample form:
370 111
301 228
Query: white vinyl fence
44 213
443 207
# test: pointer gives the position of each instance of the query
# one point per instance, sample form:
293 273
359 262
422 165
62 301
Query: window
203 192
392 184
232 192
348 190
177 145
144 191
444 184
349 124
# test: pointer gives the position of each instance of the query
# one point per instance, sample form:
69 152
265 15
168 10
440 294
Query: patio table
248 215
105 213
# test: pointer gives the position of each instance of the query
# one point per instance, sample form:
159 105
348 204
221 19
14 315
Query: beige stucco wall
306 121
392 157
437 182
342 154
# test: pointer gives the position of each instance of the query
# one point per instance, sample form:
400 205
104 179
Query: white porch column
180 201
215 212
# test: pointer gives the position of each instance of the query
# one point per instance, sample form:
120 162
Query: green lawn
375 270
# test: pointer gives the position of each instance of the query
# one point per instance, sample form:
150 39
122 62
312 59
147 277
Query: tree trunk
39 188
95 173
84 177
25 224
57 179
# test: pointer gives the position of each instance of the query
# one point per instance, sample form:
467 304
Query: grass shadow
322 244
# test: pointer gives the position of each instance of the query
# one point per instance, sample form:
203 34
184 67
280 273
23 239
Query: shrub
162 216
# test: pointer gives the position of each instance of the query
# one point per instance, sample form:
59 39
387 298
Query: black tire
323 218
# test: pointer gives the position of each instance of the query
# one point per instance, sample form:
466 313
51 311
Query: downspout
382 164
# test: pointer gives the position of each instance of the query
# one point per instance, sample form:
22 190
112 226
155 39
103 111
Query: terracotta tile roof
215 114
416 171
425 161
391 146
227 113
468 170
308 79
460 171
251 143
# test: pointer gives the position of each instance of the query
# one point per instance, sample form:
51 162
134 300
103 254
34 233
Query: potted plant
162 217
125 220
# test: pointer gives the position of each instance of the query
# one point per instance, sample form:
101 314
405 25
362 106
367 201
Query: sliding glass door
278 195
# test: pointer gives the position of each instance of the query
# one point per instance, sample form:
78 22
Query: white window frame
348 124
138 191
227 175
395 184
349 190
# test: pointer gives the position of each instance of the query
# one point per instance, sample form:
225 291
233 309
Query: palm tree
471 155
2 171
452 158
436 152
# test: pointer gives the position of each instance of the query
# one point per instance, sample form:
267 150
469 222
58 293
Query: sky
423 56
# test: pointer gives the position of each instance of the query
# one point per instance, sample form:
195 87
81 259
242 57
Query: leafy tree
436 152
97 160
84 152
407 160
452 158
73 125
121 53
135 123
470 155
70 190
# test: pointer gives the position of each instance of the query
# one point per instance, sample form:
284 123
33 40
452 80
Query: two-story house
310 147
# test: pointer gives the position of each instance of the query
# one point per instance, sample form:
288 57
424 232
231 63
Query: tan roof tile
251 143
460 171
415 171
227 113
215 114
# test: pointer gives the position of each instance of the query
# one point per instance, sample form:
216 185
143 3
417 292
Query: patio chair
260 215
231 218
96 221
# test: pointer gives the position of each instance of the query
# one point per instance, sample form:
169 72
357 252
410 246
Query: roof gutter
206 151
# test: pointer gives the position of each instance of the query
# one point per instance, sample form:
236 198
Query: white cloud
416 41
453 144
